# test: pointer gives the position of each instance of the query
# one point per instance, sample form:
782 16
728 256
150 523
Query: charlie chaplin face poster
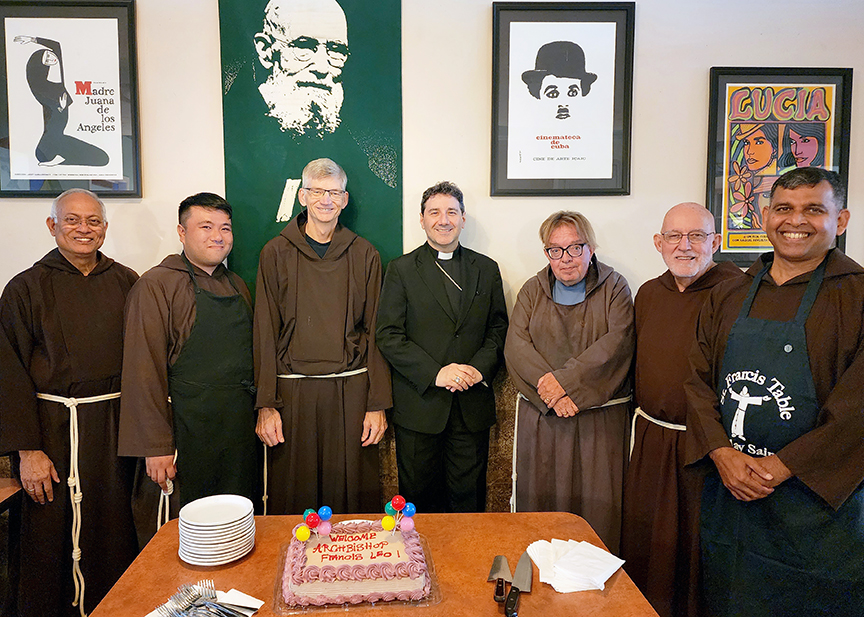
561 100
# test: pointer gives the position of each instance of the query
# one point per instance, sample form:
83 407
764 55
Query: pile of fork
198 600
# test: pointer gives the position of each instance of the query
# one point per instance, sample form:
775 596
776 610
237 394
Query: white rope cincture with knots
351 373
638 412
74 482
164 503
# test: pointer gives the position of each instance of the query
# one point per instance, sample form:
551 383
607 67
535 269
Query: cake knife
500 573
521 584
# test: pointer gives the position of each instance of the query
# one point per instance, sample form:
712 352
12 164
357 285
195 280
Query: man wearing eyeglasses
304 43
322 384
441 326
660 538
61 346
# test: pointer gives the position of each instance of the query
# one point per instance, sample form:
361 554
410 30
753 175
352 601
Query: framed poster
562 76
763 122
69 111
304 80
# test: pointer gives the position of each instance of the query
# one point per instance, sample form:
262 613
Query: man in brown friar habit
61 325
782 528
187 368
323 385
660 536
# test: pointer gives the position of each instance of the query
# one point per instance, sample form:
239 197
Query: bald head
689 211
687 259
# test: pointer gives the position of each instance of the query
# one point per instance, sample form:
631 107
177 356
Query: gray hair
67 193
323 168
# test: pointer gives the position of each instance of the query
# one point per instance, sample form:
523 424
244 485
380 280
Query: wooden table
462 547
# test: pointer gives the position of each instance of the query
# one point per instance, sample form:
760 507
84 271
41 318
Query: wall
447 63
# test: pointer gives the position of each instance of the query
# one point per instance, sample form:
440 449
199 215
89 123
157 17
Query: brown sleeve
19 420
380 390
594 376
705 430
267 324
524 363
830 458
146 419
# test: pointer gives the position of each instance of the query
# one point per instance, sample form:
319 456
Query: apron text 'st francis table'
462 548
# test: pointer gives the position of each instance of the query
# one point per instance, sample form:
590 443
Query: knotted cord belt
520 397
638 412
356 371
164 504
74 482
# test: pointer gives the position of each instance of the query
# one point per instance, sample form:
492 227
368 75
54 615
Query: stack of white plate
216 530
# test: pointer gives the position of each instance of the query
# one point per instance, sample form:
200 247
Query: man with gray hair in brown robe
61 345
322 384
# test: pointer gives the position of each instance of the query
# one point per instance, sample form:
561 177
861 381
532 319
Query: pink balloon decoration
406 524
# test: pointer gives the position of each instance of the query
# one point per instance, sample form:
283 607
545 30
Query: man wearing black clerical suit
774 402
188 363
441 325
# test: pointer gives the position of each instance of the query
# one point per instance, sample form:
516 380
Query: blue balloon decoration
324 513
410 509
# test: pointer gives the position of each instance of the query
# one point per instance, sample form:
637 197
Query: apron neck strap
191 271
806 302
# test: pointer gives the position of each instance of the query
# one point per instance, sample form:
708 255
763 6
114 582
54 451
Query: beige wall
446 101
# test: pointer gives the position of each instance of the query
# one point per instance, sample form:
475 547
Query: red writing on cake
354 547
356 537
383 555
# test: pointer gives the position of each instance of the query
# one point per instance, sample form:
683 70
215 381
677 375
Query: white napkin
573 566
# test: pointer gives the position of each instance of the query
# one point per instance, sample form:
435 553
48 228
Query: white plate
218 551
225 532
234 552
212 547
216 510
217 561
217 528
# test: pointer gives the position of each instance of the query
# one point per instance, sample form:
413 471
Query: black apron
789 553
212 395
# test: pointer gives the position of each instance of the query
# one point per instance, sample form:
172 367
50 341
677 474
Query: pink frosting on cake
297 572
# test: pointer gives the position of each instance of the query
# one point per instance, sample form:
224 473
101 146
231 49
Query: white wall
447 62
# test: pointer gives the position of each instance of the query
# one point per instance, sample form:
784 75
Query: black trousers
444 472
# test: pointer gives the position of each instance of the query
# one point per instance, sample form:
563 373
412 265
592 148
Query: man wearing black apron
775 402
189 331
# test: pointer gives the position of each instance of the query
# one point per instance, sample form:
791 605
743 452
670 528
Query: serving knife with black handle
521 584
500 573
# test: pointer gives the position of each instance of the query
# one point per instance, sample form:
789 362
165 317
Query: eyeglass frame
580 247
335 194
664 234
72 222
297 51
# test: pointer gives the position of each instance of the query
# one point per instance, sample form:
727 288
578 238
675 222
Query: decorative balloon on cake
319 522
398 513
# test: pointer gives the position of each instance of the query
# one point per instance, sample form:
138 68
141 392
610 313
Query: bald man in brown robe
61 325
660 538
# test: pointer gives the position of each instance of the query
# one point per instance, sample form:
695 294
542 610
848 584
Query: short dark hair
811 176
211 201
442 188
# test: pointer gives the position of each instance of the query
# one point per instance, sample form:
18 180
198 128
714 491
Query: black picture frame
592 154
108 103
790 110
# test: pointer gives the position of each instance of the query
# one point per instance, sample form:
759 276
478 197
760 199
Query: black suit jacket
418 332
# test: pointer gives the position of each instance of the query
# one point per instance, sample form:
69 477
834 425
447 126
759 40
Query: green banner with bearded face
305 79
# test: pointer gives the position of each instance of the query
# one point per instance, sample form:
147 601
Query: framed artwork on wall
763 122
69 111
562 75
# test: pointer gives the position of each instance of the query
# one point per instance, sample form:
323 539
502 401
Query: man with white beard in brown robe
660 538
322 384
61 346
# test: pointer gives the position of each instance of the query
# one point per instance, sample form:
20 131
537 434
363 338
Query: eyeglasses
556 252
695 237
335 194
304 47
94 222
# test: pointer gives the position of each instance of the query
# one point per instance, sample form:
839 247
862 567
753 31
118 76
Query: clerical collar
441 255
